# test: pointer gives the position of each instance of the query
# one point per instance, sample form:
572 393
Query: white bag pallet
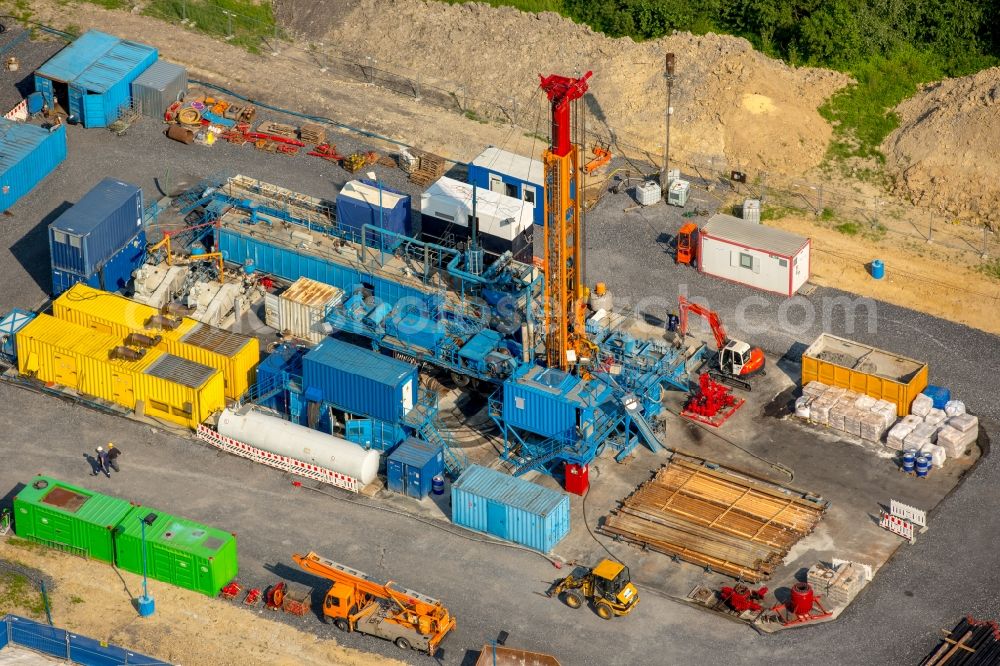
935 417
956 442
937 453
837 414
921 405
814 389
819 410
954 408
865 402
852 421
964 422
802 407
897 434
920 436
872 426
887 411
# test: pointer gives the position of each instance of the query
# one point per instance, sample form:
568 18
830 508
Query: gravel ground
949 572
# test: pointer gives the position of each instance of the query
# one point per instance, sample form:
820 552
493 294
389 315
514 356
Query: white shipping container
753 254
303 305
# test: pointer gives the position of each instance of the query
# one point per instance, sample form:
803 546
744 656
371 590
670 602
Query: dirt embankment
945 152
95 600
729 100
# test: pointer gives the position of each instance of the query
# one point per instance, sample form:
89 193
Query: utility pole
664 175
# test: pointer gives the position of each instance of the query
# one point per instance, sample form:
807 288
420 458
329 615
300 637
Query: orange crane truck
356 602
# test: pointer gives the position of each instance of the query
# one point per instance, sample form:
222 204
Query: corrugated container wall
360 381
410 468
302 306
235 355
489 501
98 70
11 323
114 274
536 410
162 84
58 514
96 227
158 385
28 154
178 551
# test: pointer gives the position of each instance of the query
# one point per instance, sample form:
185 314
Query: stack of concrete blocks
899 432
958 434
922 405
859 415
839 585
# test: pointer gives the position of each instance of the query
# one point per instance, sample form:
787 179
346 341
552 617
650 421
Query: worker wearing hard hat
113 453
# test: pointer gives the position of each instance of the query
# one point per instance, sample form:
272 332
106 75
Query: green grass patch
766 212
848 228
241 22
991 268
827 214
862 114
472 115
111 4
19 595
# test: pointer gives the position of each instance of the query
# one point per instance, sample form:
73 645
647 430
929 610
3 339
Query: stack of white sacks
859 415
942 433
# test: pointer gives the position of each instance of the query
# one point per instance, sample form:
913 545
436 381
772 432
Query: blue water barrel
923 465
939 394
437 485
878 269
909 460
198 251
35 102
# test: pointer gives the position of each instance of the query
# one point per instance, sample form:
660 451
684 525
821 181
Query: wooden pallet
429 168
715 518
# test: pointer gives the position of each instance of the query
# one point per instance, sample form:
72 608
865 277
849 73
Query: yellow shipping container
159 384
864 369
235 355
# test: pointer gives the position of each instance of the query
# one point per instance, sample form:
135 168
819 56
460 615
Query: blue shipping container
364 202
373 434
106 219
539 402
13 322
410 468
513 509
96 72
113 275
359 380
28 154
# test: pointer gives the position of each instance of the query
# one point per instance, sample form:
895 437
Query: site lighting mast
665 174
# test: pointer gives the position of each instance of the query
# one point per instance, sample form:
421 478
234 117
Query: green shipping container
178 551
67 517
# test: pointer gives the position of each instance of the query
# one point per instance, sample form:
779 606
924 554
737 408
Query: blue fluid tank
878 269
923 465
909 460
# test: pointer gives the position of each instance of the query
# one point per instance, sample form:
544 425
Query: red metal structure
566 342
712 404
803 606
737 359
741 598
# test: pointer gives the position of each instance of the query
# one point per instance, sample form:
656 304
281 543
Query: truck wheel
402 643
342 624
572 598
604 610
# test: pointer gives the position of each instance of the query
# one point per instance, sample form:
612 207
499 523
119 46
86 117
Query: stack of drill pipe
714 518
971 643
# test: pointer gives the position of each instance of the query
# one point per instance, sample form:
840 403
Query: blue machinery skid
437 305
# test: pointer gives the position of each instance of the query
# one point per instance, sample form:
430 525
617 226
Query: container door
64 370
407 396
44 86
173 567
93 111
395 476
496 519
76 103
54 527
413 488
123 389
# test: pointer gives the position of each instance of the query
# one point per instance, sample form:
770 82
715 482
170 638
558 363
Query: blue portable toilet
362 202
513 175
411 468
91 79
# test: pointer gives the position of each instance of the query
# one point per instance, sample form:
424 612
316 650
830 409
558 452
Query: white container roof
756 236
499 215
514 165
355 189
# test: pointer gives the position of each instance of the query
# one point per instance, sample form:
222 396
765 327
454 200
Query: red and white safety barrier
19 112
284 463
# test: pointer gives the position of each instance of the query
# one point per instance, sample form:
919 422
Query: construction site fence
62 644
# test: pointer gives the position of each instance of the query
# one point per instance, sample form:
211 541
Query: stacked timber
312 133
716 518
429 168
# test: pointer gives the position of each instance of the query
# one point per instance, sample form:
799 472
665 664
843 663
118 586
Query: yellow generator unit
235 355
149 381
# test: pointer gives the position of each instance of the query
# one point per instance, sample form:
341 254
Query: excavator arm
709 315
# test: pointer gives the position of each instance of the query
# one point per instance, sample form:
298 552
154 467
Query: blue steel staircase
423 419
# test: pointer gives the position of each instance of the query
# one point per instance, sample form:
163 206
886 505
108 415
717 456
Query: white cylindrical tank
269 433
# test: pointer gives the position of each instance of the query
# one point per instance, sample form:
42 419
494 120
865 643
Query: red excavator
737 360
